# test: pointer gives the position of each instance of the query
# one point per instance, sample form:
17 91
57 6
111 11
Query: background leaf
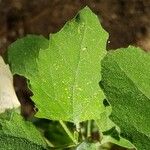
17 134
65 83
126 83
23 54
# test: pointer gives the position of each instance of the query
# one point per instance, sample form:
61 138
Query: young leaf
126 83
8 98
65 83
110 131
15 133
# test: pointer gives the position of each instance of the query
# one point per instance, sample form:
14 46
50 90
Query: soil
127 21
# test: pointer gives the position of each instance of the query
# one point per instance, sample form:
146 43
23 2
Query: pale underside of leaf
86 145
8 98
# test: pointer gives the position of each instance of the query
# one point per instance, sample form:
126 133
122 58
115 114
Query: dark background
127 21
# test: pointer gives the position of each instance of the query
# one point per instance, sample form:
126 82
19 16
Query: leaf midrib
77 72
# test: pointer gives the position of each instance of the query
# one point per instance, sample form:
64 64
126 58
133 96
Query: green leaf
17 134
126 83
104 123
65 83
110 131
23 54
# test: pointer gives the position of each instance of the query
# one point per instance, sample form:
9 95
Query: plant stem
78 128
76 135
49 143
68 131
83 130
89 128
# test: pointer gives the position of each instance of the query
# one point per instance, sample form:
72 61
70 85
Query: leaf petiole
89 128
49 143
68 132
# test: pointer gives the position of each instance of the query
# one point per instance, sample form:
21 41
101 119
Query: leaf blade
15 133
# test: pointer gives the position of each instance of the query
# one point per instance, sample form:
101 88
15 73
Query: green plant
92 97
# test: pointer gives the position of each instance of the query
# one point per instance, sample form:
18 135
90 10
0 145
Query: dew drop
79 30
79 89
83 49
56 68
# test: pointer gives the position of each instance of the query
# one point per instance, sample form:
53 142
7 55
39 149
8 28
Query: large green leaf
126 83
64 77
17 134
